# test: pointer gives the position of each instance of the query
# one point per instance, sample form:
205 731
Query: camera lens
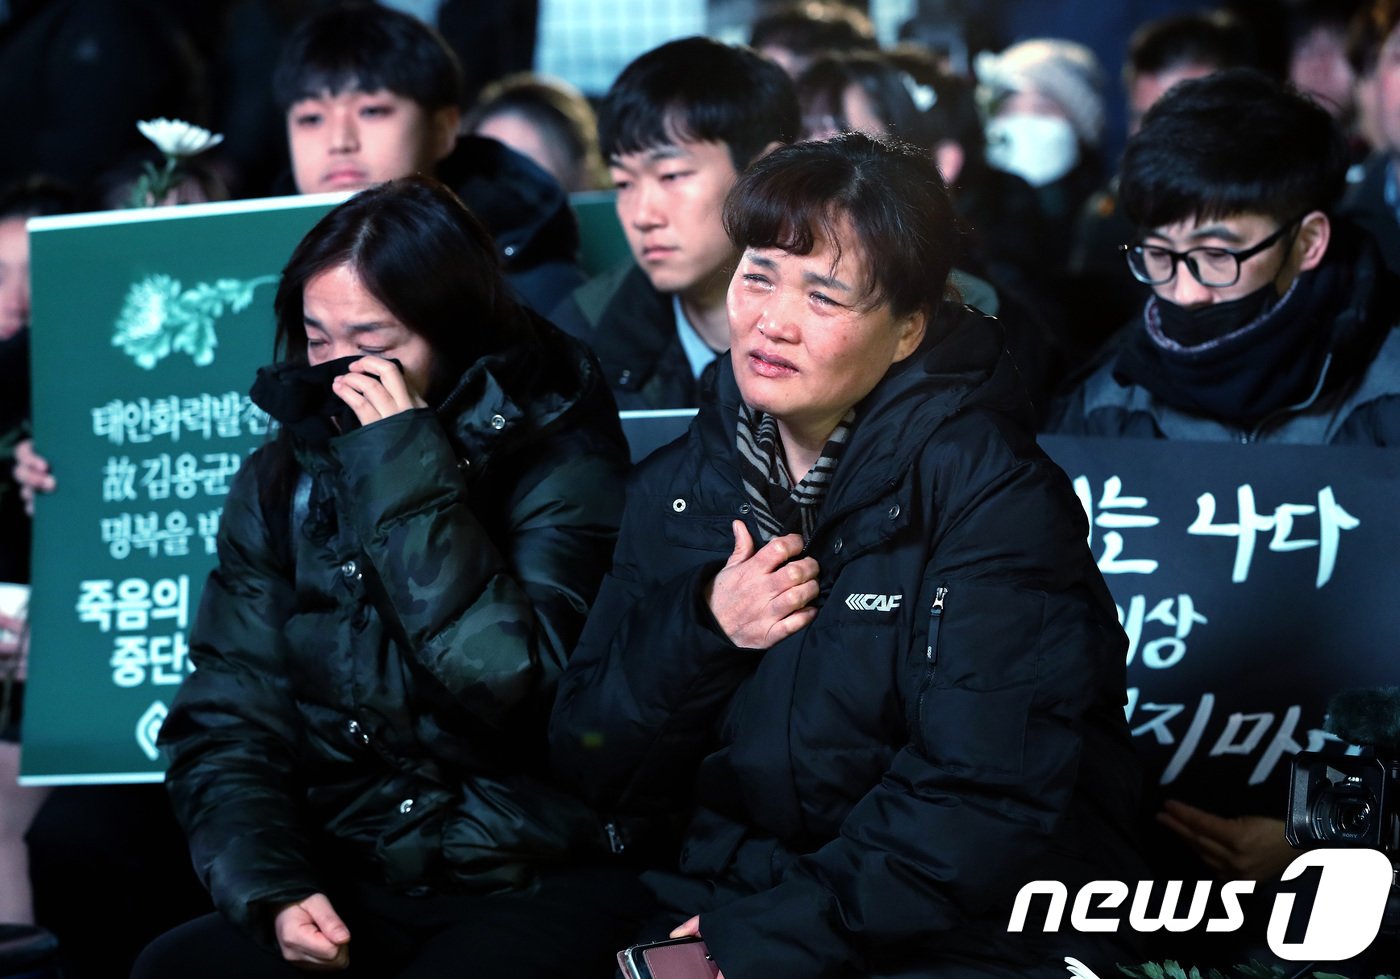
1352 817
1345 816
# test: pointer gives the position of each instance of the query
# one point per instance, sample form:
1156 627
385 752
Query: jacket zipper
615 841
935 623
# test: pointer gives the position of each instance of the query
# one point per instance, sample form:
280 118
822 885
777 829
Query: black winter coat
872 791
376 661
527 213
632 329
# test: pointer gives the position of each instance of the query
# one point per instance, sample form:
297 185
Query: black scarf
779 507
299 397
1271 362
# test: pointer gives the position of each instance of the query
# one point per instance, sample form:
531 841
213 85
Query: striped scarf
778 506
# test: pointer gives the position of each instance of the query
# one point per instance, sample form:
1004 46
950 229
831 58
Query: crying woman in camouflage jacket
356 759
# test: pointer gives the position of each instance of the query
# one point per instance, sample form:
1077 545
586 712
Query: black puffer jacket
872 791
376 661
632 329
527 213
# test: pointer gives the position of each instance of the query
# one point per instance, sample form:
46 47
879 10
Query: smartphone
675 958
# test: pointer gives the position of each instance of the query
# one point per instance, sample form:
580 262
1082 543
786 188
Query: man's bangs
316 81
637 128
1166 206
632 132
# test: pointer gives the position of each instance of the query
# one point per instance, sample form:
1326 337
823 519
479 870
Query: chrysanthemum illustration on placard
159 317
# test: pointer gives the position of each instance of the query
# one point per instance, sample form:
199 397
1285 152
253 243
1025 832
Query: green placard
602 242
147 329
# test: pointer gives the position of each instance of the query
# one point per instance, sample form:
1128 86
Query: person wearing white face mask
1040 149
1044 100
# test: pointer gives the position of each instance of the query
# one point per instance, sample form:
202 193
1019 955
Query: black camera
1351 798
1339 799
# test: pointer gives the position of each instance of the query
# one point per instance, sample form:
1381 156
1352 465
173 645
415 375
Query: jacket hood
523 207
962 364
1370 296
522 394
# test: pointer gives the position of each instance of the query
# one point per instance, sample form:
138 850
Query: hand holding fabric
375 388
762 595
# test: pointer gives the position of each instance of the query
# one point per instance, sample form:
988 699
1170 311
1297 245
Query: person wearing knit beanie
1065 72
1043 101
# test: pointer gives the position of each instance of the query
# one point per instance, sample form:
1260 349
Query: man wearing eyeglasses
1268 319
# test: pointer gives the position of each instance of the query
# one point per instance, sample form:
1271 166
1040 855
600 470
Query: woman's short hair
424 256
890 195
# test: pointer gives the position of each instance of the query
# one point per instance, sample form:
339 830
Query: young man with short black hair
676 128
371 94
1269 321
1161 53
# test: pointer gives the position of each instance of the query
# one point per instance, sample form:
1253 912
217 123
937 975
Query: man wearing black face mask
1269 320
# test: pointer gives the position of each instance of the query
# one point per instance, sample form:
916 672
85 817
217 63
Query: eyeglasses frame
1239 255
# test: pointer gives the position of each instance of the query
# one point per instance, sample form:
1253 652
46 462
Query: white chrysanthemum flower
143 328
177 138
1078 969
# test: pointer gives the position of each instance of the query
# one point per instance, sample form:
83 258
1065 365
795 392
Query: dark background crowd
75 73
